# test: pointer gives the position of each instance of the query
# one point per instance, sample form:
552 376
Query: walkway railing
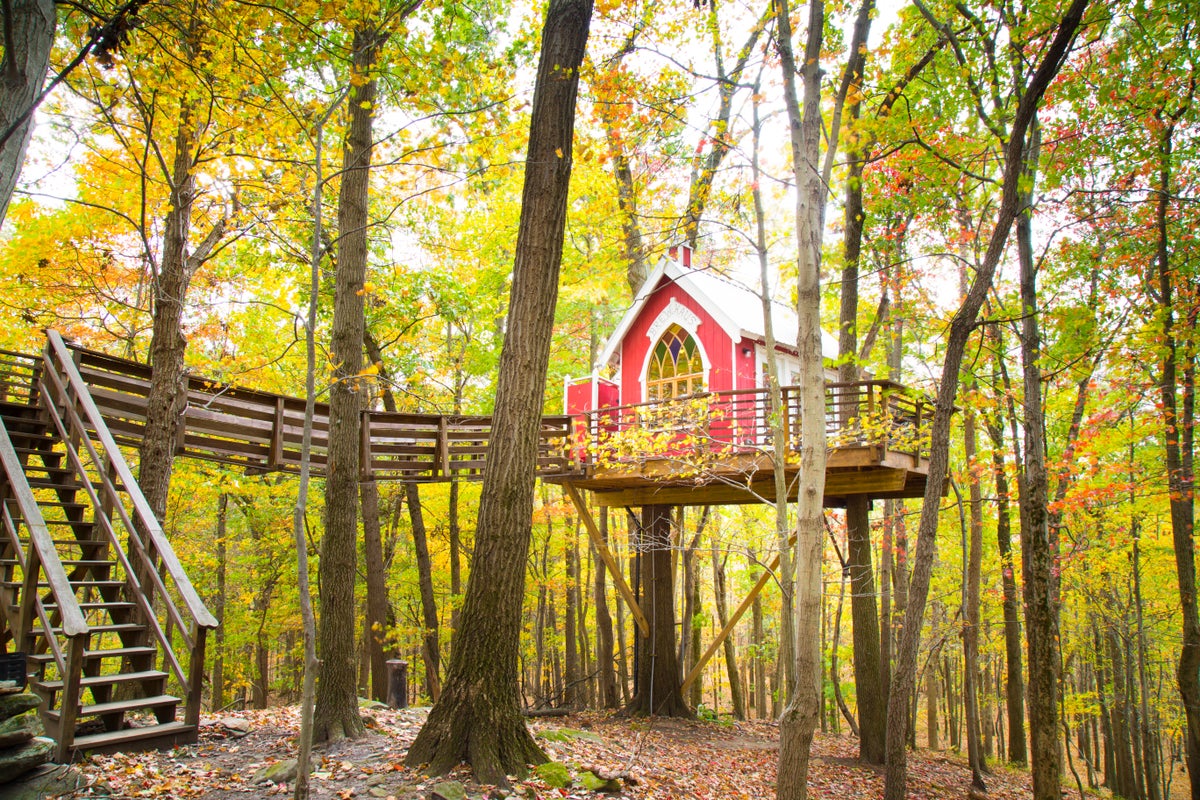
701 426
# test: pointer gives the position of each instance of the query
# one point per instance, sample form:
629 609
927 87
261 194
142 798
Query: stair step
116 605
104 680
124 627
119 706
97 655
77 584
168 734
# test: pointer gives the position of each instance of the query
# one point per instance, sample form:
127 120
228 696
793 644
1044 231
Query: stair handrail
58 354
41 548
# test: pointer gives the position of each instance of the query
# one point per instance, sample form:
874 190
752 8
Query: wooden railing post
364 445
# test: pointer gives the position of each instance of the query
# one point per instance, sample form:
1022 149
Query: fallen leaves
656 760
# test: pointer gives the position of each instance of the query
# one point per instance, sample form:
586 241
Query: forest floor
666 759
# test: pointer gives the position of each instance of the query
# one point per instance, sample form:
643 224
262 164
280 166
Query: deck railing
701 426
262 431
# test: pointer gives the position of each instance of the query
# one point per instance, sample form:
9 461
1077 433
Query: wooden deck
716 448
708 449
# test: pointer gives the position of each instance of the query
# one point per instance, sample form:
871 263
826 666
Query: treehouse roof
733 305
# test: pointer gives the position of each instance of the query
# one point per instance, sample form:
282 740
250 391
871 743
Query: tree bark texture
430 638
31 25
719 594
802 714
1178 423
604 625
658 681
961 326
1014 682
971 609
478 717
336 713
377 596
872 710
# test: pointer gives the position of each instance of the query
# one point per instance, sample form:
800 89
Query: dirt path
665 758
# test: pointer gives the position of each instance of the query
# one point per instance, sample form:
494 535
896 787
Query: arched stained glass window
676 367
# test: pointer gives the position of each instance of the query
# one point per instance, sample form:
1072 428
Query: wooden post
443 448
364 448
69 698
606 554
397 694
195 688
276 457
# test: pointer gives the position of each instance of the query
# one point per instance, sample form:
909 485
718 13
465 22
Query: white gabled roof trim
738 312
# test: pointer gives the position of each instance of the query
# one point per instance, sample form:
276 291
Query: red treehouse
685 419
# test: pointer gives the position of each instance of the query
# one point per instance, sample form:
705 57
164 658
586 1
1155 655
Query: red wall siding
718 350
746 379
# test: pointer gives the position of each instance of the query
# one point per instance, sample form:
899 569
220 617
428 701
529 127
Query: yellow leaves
558 152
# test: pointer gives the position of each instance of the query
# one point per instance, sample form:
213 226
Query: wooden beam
606 554
878 482
733 620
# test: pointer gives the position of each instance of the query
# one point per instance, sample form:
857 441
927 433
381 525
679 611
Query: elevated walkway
115 632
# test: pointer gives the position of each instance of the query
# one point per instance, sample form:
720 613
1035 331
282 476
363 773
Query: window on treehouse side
676 368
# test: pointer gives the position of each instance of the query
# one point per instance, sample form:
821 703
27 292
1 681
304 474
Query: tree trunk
572 672
1179 437
1039 551
604 627
971 591
658 681
478 718
377 596
1014 684
29 27
759 672
872 711
336 713
800 718
719 594
961 327
430 637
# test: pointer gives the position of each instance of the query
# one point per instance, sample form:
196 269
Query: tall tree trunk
478 717
961 327
971 591
377 596
800 718
1149 762
872 711
658 681
1039 551
29 37
1014 682
430 637
336 713
759 640
1178 424
572 673
719 595
604 627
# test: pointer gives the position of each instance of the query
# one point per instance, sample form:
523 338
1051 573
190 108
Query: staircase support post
195 687
69 698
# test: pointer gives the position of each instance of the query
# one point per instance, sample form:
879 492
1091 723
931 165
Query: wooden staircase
91 589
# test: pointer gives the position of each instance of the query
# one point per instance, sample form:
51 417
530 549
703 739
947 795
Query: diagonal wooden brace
606 554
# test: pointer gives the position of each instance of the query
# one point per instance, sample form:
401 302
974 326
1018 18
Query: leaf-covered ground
665 758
